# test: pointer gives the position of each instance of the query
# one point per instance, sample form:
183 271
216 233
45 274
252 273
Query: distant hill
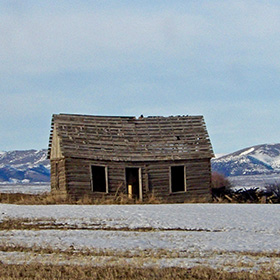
30 166
260 159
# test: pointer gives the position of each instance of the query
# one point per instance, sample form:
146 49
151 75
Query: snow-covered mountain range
29 166
32 166
260 159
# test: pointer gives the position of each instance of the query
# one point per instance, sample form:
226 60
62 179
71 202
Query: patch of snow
219 155
14 181
24 181
241 241
267 159
43 157
254 181
24 188
247 152
226 261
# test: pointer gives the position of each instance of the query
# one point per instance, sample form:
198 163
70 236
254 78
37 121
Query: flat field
25 188
231 237
254 181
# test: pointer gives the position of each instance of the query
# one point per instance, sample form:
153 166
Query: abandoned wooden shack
102 156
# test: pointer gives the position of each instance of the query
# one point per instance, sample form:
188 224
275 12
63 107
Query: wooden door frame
140 182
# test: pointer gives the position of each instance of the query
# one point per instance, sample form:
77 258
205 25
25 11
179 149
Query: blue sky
214 58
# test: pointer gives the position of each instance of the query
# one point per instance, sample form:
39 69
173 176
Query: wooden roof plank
132 139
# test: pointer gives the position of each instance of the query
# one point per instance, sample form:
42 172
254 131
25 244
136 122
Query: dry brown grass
51 223
49 198
64 265
39 271
147 253
33 199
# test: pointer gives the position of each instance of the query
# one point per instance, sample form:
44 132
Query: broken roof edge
61 117
88 116
118 116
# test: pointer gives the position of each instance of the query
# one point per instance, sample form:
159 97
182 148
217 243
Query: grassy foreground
49 198
38 271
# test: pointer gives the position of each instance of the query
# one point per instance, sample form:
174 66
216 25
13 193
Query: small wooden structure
102 156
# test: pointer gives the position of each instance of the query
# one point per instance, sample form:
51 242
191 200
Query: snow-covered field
254 181
217 235
25 188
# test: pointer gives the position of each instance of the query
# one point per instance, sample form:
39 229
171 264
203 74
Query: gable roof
130 138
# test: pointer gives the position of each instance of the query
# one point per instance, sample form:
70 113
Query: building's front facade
164 157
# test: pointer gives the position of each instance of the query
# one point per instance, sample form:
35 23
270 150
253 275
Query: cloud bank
219 59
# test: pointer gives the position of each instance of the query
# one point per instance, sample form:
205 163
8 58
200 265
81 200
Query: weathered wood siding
198 181
155 179
78 172
58 177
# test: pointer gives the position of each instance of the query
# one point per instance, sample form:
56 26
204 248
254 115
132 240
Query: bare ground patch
52 224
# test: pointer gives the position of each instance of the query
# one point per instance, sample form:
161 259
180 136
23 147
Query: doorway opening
133 182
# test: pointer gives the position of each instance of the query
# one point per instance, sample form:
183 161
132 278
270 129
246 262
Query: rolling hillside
30 166
256 160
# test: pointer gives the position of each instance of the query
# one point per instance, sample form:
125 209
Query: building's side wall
155 179
58 177
199 179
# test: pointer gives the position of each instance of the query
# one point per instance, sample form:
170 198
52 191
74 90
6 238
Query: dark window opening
132 182
177 179
99 181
